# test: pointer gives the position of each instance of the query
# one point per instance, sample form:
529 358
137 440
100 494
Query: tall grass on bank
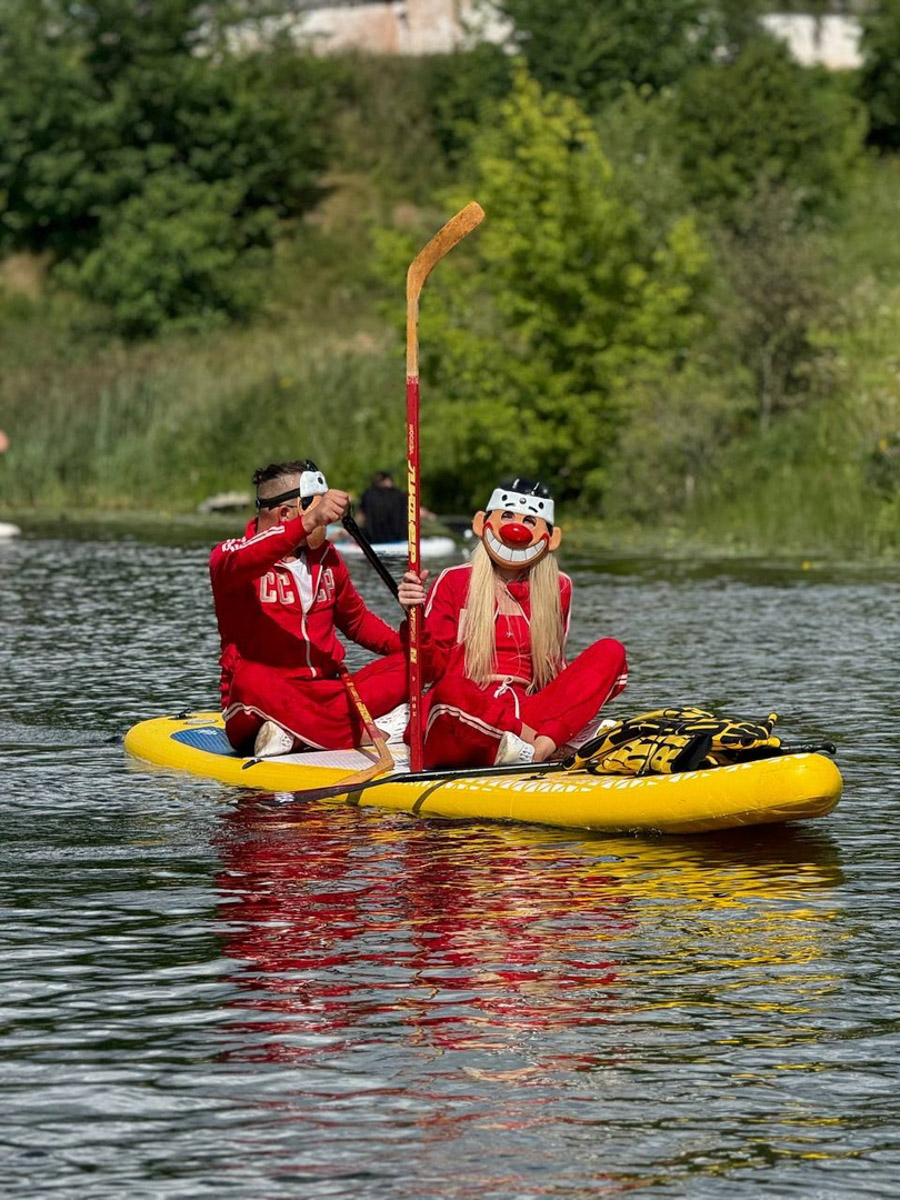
825 480
803 508
96 424
167 426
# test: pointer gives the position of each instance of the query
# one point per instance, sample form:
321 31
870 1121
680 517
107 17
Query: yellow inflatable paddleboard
793 787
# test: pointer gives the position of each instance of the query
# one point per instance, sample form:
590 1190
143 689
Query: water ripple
202 995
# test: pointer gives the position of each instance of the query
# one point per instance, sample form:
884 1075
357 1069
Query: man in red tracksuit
494 638
280 592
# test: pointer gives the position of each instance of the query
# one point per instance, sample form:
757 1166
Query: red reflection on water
355 930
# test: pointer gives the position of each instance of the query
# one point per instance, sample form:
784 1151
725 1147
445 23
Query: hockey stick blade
441 244
420 268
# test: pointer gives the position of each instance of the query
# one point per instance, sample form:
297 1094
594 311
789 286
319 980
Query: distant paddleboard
430 547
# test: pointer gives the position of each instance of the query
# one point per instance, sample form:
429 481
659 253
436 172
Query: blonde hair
548 635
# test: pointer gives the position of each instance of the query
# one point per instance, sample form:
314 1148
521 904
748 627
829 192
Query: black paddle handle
437 775
368 550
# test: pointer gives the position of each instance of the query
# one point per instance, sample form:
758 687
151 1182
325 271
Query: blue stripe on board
205 737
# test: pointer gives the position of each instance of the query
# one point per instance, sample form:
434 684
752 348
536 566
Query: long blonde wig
546 624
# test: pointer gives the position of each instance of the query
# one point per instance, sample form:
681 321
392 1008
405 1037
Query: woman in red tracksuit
495 632
280 592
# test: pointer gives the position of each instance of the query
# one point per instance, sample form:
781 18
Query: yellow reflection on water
527 978
471 935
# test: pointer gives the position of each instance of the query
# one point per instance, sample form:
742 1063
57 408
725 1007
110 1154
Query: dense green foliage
763 122
531 347
681 308
880 73
590 49
113 122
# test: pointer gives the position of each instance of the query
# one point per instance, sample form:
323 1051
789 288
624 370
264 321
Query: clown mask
514 532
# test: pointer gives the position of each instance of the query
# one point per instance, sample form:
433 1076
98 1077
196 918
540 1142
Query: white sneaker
393 724
272 740
513 749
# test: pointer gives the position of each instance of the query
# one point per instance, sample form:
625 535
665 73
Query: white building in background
411 27
829 41
418 27
403 26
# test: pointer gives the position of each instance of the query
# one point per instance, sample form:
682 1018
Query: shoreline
584 540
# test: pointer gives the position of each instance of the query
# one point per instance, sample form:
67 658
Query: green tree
879 76
103 102
461 90
763 122
777 312
177 254
403 123
590 49
680 423
636 131
530 339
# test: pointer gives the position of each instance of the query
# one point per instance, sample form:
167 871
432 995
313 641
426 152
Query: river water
202 1000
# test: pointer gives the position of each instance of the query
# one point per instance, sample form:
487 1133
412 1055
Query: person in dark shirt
383 511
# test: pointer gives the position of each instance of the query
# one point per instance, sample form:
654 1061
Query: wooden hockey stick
385 759
428 257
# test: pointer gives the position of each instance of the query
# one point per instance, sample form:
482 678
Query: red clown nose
515 534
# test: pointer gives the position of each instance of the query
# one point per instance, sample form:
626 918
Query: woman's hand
412 589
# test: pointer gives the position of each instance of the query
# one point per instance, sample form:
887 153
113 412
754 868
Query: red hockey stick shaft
431 254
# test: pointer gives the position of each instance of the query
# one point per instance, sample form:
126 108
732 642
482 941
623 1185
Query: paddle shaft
334 790
369 551
442 243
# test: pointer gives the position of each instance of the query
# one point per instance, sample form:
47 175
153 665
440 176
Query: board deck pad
213 740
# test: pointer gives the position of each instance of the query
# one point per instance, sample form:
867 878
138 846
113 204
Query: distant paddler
7 530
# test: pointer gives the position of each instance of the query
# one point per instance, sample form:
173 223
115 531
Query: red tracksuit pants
317 711
464 722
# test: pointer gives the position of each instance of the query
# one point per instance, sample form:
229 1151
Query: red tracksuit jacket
465 722
445 615
284 615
